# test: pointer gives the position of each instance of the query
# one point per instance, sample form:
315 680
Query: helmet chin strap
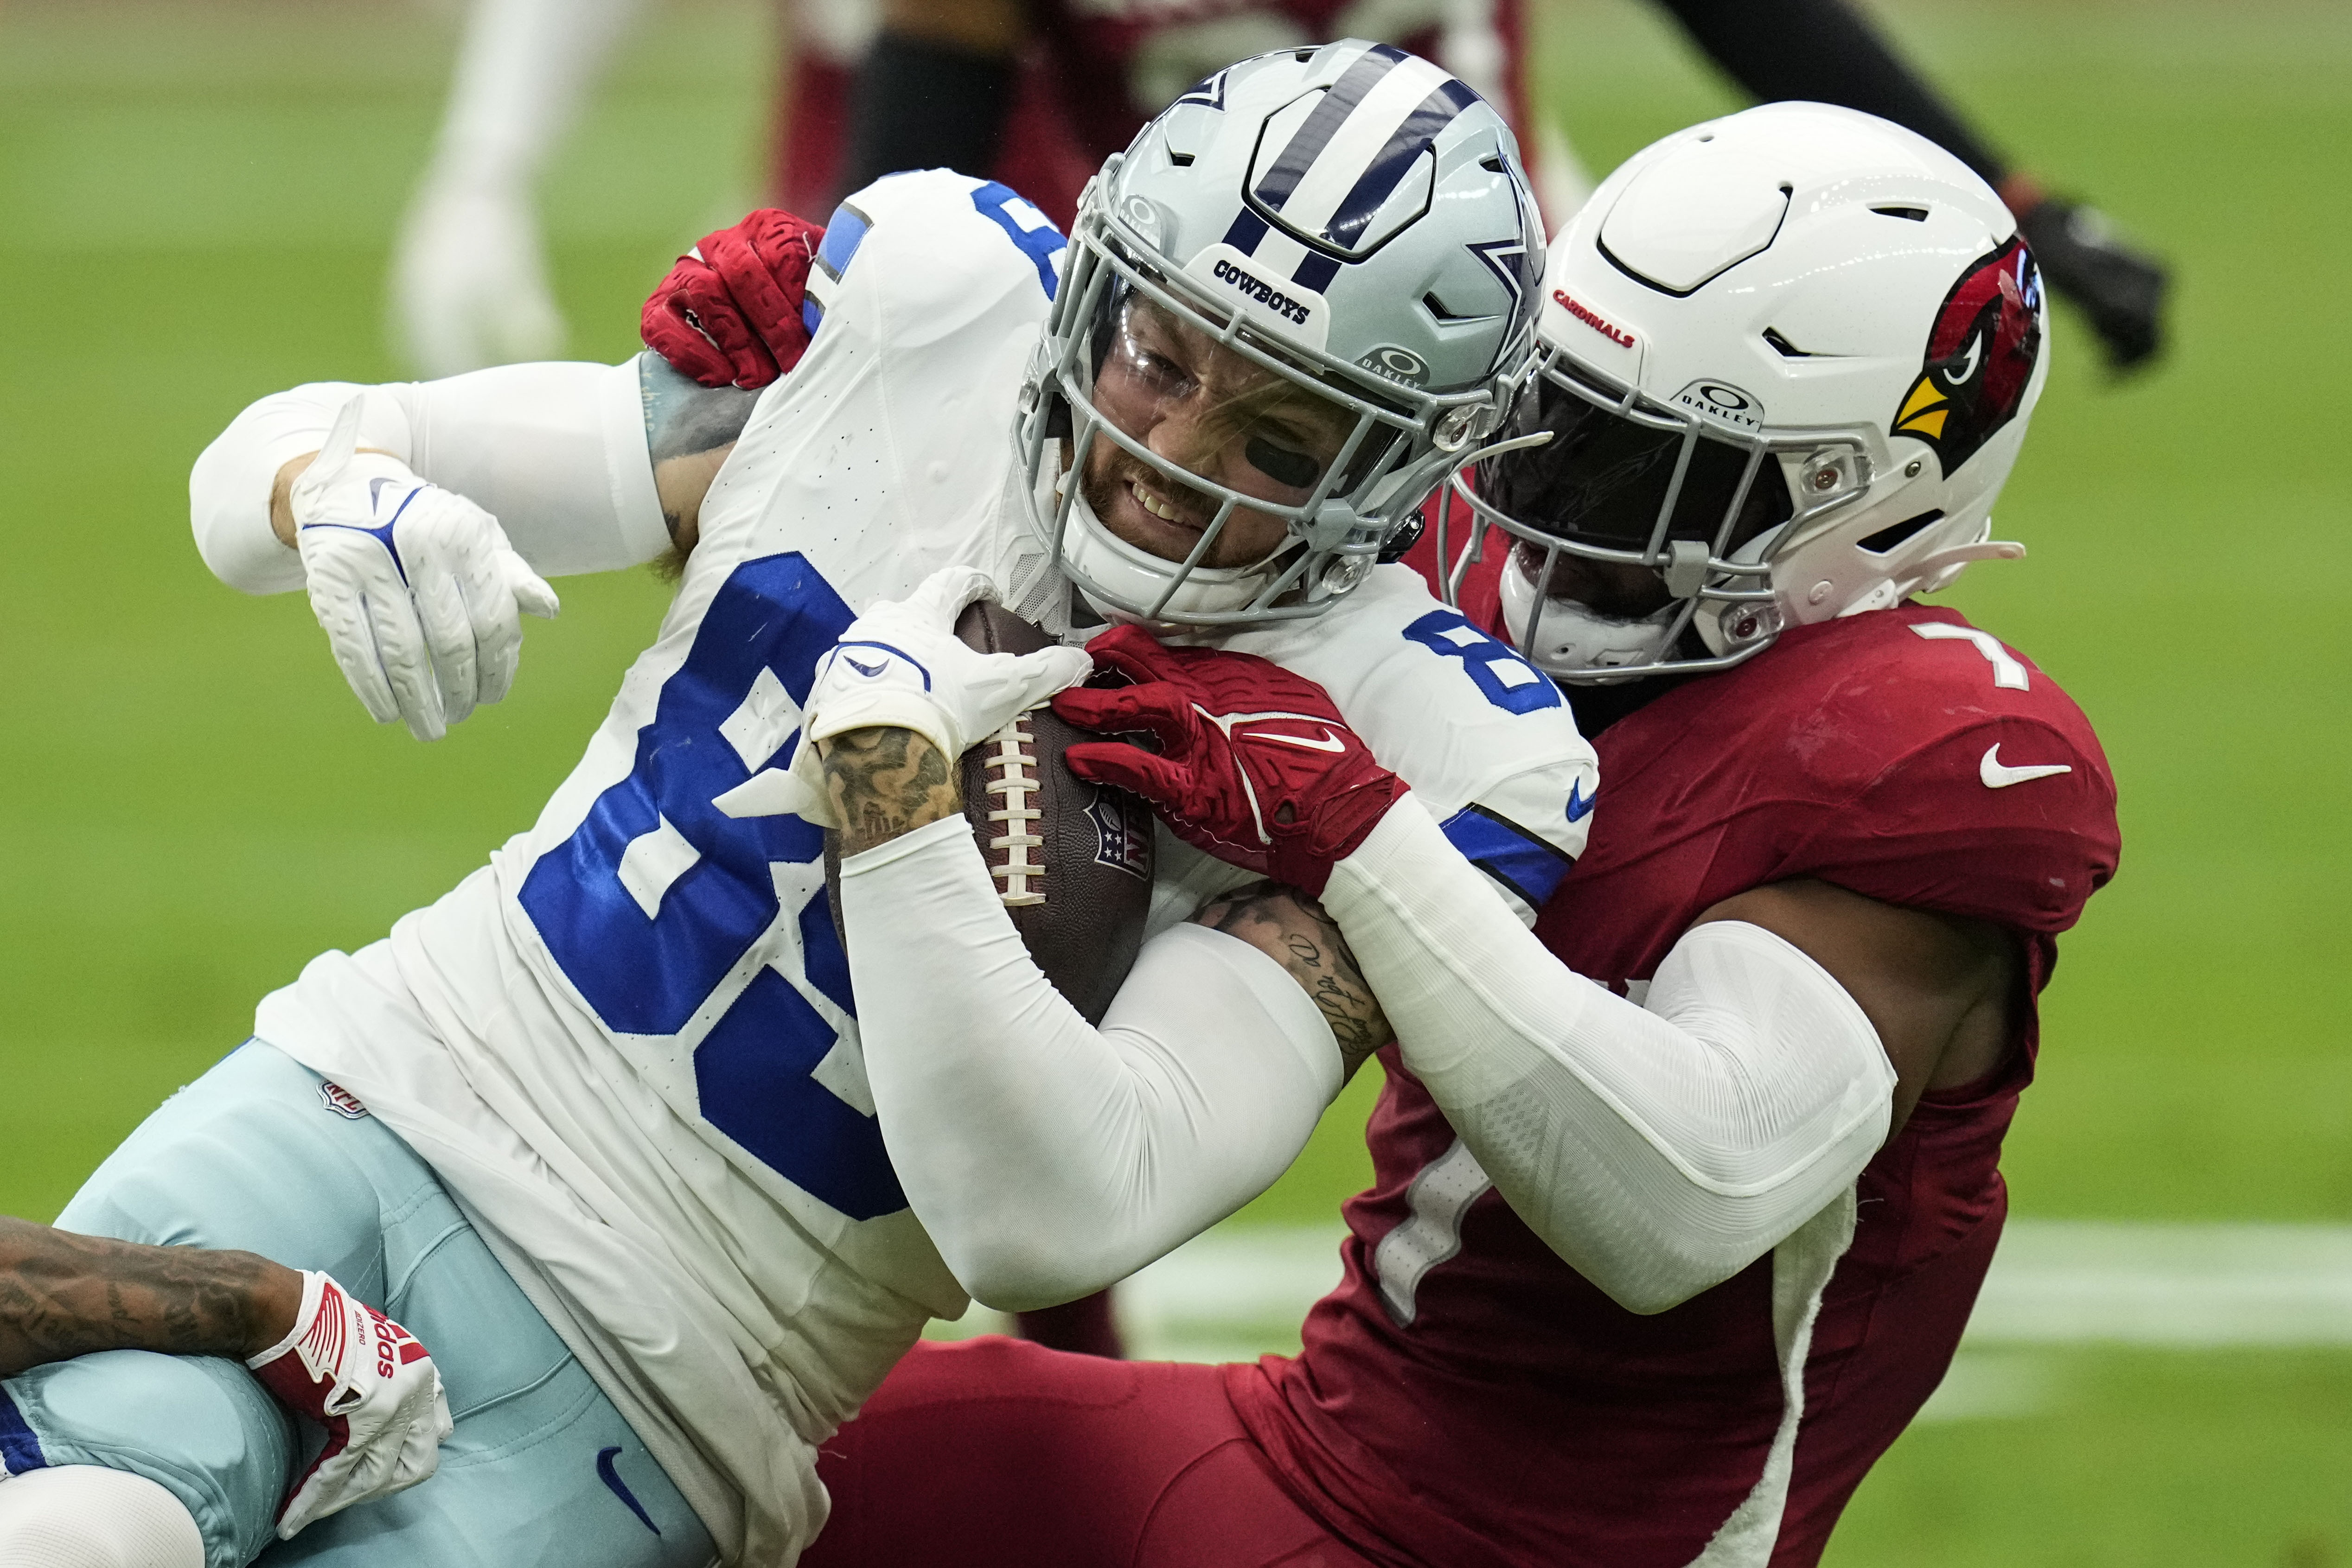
1574 642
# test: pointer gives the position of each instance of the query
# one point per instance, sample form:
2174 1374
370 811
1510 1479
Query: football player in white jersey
600 1124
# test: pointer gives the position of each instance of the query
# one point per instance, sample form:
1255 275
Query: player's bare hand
418 591
372 1385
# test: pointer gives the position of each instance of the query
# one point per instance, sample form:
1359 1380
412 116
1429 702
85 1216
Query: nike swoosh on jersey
1580 804
1329 743
1998 775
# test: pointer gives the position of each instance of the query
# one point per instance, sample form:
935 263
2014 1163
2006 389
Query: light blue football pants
541 1469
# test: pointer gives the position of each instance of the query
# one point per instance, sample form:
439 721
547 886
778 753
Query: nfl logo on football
1125 834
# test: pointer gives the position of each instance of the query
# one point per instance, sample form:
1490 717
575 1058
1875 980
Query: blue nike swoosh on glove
382 535
871 671
1580 804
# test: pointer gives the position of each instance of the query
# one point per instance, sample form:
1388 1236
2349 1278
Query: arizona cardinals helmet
1787 360
1349 218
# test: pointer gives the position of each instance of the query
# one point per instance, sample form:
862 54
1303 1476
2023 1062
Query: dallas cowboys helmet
1349 218
1787 361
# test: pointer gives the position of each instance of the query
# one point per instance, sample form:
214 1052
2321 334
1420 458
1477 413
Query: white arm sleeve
555 452
1658 1149
1046 1158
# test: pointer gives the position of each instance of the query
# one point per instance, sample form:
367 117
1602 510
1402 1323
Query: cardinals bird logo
1980 355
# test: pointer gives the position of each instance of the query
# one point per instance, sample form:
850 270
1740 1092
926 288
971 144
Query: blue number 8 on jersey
1504 679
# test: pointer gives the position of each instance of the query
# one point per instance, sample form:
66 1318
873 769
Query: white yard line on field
2064 1281
1236 1294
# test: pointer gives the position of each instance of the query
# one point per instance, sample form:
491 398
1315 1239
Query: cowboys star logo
1980 357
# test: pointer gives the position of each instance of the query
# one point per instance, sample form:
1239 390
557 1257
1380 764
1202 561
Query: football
1072 861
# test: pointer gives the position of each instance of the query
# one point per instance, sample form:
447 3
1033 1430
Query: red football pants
997 1454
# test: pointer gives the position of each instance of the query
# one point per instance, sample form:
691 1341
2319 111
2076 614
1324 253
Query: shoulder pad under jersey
885 453
1484 739
935 246
1954 774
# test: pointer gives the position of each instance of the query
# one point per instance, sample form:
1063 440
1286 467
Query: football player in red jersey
1654 1283
1646 1286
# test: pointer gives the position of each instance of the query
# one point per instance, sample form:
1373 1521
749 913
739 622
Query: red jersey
1097 69
1520 1416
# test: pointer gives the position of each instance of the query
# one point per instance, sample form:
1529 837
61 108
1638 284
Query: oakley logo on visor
1399 365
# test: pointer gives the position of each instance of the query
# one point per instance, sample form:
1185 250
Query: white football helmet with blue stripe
1349 218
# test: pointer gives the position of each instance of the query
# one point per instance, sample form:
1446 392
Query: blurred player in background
601 1123
1654 1296
1037 95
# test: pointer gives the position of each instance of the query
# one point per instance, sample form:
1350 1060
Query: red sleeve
1968 823
1482 586
729 312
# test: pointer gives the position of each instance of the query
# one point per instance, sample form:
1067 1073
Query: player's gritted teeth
1152 503
1147 510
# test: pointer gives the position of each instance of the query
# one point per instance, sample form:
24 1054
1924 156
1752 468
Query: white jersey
629 1045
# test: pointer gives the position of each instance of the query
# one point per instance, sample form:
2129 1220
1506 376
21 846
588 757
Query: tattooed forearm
683 416
885 782
1293 929
63 1295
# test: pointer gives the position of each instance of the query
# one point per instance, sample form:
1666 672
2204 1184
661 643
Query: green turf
194 205
198 200
2132 1460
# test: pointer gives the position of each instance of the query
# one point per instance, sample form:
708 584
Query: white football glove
469 281
902 664
417 589
372 1385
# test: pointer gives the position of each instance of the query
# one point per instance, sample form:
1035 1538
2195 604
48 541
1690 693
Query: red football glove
1255 764
375 1390
728 314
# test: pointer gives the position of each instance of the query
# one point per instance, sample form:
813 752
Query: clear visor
1200 442
1626 475
1228 444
